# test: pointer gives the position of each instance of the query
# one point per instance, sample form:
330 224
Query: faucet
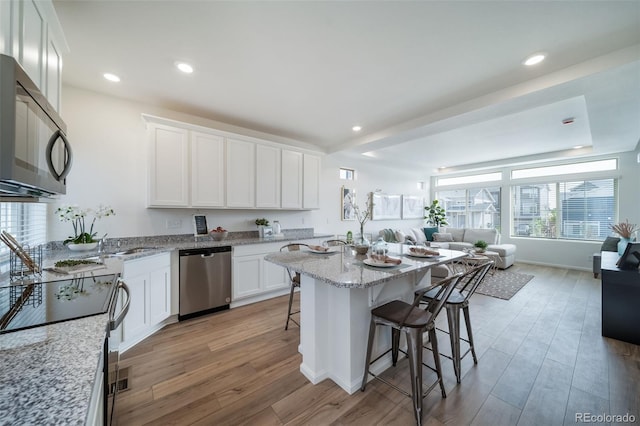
101 244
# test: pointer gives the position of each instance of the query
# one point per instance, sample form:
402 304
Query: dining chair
294 281
458 301
410 319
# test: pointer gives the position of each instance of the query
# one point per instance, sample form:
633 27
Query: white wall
109 167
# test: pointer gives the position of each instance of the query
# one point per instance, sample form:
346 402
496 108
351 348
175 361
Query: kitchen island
337 292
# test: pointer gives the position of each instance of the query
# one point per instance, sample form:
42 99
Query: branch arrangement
624 229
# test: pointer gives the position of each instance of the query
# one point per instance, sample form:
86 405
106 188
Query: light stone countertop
47 373
341 268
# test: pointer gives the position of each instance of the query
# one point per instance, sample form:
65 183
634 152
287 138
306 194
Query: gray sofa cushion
456 233
610 244
444 237
490 236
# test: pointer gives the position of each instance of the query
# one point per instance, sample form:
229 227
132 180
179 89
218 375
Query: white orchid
76 215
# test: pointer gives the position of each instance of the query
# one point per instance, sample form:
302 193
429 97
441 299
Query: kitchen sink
135 250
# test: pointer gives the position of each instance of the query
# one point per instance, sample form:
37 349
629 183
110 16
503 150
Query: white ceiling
431 83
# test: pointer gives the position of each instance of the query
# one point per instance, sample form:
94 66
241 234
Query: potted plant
361 243
480 246
81 238
436 214
261 222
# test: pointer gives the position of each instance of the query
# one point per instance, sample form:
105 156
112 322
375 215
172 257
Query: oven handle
114 322
67 156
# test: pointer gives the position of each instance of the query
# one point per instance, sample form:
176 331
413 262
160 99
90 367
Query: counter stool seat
294 282
458 301
413 322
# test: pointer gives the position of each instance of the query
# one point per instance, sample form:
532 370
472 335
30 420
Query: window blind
27 222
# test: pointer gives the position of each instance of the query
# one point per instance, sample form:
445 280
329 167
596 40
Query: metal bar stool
413 321
294 280
459 300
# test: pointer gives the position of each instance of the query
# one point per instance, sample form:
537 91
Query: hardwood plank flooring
541 361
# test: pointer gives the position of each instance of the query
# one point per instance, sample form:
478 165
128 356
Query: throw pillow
442 237
610 244
428 232
419 234
401 236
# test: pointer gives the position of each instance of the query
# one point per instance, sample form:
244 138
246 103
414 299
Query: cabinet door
247 276
31 45
159 295
267 176
136 321
168 167
5 28
274 276
53 73
241 173
207 170
311 182
291 179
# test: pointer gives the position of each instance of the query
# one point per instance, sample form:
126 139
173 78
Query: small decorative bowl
219 236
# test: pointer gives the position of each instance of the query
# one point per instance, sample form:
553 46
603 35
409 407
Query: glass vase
361 244
622 245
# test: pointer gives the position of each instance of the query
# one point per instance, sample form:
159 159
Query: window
581 209
347 174
27 222
471 208
486 177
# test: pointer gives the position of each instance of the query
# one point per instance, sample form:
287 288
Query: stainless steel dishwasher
205 281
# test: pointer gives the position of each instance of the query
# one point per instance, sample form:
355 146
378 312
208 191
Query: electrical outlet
174 223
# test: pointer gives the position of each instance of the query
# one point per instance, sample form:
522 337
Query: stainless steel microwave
35 155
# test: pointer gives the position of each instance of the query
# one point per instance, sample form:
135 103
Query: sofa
454 239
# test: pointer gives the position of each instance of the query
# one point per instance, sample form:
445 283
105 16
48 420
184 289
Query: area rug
503 284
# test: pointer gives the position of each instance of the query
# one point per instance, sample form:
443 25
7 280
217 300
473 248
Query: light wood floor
541 361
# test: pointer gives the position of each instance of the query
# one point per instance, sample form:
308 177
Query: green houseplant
480 246
436 214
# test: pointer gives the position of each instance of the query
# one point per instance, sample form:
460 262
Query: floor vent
123 381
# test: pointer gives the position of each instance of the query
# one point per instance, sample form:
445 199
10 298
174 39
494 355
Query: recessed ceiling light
534 59
356 128
184 67
111 77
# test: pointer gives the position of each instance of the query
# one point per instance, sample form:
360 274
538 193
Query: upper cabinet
168 167
196 167
311 182
292 180
30 32
241 173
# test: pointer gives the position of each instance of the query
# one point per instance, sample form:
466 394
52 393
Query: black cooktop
54 297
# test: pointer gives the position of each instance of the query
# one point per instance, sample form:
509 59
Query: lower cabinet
149 282
255 279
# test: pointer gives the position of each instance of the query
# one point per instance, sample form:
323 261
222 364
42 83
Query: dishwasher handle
115 321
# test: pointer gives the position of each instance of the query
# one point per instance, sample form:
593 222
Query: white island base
334 327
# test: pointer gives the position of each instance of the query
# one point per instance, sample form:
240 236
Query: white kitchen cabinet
168 167
32 28
207 170
53 74
291 179
194 167
149 282
268 176
311 182
241 173
5 27
30 32
255 279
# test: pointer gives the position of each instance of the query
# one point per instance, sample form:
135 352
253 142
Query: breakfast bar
337 292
